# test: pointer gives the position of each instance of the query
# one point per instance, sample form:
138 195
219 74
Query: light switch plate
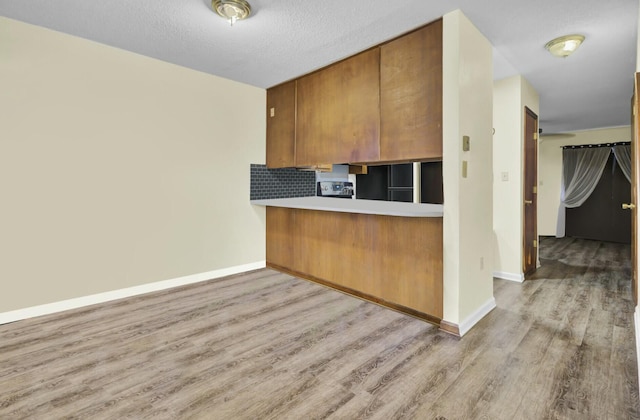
505 176
465 143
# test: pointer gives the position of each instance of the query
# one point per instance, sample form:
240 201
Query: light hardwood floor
264 345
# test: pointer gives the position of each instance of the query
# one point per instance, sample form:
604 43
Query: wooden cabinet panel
281 125
411 96
280 236
338 117
394 261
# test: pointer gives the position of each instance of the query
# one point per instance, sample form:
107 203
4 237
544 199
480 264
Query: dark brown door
635 162
603 205
530 242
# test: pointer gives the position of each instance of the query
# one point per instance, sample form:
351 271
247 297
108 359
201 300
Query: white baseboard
79 302
636 322
475 317
509 276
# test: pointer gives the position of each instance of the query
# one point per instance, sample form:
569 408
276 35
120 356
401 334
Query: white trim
50 308
509 276
475 317
636 319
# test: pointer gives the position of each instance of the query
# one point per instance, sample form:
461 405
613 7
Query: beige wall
510 96
550 170
467 110
118 170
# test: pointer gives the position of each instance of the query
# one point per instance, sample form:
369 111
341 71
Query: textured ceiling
286 38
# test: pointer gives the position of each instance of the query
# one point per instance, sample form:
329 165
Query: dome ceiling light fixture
565 45
232 10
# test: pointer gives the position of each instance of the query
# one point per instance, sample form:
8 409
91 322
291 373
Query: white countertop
345 205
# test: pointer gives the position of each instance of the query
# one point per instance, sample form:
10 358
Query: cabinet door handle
528 202
626 206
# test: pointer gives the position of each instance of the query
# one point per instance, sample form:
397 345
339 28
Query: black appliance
395 183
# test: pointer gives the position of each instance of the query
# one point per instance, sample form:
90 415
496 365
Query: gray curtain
623 157
581 172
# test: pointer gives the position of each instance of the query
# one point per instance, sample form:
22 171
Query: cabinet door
339 112
282 237
281 125
411 96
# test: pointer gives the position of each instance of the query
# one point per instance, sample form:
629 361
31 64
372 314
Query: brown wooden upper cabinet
382 105
338 117
281 125
411 96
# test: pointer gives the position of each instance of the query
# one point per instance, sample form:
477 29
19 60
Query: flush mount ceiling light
232 10
564 45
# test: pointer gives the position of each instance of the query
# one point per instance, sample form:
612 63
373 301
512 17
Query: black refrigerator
395 183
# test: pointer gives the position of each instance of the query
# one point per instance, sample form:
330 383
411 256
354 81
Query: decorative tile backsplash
281 183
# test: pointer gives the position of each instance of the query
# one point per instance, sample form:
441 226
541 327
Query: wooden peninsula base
390 260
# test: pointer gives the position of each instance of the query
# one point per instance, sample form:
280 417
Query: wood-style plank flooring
264 345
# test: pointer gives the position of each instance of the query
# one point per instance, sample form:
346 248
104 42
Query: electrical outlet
505 176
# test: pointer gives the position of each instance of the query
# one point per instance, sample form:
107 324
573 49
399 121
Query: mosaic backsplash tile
281 183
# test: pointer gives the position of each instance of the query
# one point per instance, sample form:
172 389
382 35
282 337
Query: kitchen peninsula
389 253
415 98
356 111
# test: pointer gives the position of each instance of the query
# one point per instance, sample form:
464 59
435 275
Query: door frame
530 193
635 183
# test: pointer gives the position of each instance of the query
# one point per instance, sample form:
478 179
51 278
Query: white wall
510 96
467 110
550 170
118 170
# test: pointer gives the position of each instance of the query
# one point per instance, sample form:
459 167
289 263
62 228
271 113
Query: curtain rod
583 146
